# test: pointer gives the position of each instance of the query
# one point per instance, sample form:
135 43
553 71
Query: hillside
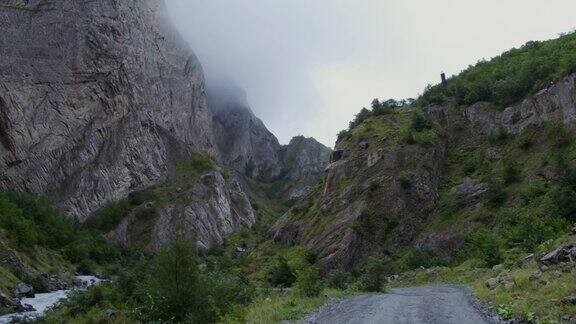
420 185
117 159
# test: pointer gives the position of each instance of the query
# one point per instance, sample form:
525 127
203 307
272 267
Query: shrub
309 283
281 274
373 273
484 245
558 135
495 195
339 279
510 171
564 200
427 258
421 121
405 179
498 136
344 135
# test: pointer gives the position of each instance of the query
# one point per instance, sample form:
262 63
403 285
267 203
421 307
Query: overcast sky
309 65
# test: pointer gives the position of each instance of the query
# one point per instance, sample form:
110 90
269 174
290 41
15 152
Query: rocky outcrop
98 101
374 199
210 209
555 103
304 160
246 145
243 141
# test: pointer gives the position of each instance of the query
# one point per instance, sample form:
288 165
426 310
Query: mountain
98 102
416 183
104 106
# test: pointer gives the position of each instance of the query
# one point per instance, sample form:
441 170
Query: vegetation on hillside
510 77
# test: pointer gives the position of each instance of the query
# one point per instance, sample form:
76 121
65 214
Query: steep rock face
211 209
97 102
557 102
247 146
304 160
376 184
243 141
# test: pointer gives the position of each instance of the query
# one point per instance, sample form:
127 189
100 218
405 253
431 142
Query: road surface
438 304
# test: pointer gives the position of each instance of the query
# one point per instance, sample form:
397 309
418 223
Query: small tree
309 283
281 274
174 287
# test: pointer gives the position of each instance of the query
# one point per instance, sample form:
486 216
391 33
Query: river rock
23 290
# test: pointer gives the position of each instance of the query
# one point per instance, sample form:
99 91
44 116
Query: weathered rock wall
96 99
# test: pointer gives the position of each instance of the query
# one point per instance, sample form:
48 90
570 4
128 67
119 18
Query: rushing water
43 302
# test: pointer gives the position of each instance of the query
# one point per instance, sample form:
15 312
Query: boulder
573 230
23 290
492 283
109 313
569 300
469 192
566 253
364 145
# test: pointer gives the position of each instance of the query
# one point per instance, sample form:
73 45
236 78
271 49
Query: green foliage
405 179
558 135
498 136
344 135
416 258
282 274
30 220
482 244
519 228
421 121
496 195
373 272
339 279
510 77
510 171
309 282
175 290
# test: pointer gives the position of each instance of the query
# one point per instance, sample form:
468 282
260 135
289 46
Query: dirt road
438 304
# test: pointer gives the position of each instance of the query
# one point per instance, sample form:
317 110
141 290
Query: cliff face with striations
97 102
103 100
390 187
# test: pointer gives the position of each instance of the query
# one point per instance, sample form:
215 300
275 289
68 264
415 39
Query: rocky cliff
247 146
104 100
98 101
424 179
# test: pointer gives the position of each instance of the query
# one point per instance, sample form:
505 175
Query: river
43 302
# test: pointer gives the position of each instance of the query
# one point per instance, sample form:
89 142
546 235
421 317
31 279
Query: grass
529 298
288 307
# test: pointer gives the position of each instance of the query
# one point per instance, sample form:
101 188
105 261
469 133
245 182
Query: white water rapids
43 302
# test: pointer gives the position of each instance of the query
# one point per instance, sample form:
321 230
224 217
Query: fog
309 65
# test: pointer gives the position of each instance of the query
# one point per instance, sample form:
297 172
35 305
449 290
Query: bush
495 195
281 274
510 77
339 279
484 245
426 258
498 136
510 171
309 283
405 179
374 272
421 121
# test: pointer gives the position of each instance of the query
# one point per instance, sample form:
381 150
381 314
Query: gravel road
438 304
